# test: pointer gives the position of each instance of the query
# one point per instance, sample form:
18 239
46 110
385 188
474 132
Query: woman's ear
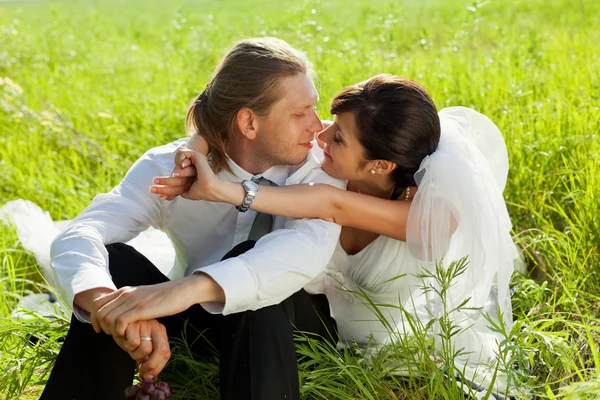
247 123
384 167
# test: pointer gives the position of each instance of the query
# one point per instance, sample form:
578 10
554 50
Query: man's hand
118 309
85 301
151 355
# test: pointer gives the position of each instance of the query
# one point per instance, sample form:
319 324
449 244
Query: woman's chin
327 167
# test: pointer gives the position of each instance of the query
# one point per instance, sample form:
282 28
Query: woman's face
344 155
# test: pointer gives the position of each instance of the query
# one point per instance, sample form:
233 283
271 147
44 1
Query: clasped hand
129 314
151 355
192 178
118 309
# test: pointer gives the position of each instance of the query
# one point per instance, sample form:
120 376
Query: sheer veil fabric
459 212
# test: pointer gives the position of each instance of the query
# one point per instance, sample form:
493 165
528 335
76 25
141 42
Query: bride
424 190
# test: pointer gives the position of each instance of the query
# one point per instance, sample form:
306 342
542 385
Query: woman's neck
373 187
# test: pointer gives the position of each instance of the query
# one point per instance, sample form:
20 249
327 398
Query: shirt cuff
81 315
234 277
86 279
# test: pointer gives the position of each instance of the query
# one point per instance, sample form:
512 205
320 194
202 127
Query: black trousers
257 352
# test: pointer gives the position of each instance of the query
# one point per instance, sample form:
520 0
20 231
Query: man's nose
316 125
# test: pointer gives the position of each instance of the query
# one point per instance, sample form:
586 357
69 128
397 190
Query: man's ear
384 167
247 123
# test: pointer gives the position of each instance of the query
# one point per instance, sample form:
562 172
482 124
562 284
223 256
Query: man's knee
241 248
128 267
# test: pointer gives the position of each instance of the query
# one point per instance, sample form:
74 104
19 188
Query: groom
258 116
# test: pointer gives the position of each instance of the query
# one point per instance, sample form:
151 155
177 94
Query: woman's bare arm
369 213
346 208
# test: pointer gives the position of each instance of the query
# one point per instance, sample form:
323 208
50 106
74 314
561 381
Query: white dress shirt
202 232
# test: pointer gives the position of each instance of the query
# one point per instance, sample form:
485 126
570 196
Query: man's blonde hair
248 76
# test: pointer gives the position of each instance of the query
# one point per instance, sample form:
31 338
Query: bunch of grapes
148 390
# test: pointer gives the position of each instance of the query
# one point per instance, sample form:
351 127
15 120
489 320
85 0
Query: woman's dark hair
397 121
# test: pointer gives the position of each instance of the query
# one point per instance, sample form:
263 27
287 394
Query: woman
386 140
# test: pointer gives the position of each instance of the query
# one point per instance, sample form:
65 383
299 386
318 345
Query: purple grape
142 396
131 392
147 386
158 395
165 388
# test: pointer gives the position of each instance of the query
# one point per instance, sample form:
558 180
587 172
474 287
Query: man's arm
282 262
78 254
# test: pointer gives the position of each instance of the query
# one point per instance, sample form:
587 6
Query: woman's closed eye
336 137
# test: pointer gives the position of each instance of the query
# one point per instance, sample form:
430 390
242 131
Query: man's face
289 127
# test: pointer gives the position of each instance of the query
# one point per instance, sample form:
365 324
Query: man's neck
244 155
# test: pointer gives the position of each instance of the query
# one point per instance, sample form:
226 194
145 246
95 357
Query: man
258 115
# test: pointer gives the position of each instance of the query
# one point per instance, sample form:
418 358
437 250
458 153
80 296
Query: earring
372 172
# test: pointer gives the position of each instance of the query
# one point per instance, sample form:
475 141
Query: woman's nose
325 135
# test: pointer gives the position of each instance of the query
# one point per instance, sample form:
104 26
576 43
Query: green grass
87 86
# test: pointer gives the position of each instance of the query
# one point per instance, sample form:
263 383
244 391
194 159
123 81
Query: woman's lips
327 154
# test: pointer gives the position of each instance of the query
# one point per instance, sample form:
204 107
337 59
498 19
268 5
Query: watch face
250 186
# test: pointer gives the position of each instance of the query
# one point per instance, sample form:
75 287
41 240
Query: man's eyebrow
305 106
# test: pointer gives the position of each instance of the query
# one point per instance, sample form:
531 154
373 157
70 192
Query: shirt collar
276 174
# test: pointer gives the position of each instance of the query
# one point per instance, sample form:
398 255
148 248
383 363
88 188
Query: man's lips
308 145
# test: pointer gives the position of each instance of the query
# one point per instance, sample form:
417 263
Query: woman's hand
183 171
192 179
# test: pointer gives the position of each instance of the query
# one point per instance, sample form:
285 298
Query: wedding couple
347 218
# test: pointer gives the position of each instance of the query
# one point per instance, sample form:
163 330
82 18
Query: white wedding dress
370 292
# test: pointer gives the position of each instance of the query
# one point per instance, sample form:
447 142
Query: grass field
87 86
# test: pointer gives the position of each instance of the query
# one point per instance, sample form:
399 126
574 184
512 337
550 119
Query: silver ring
146 338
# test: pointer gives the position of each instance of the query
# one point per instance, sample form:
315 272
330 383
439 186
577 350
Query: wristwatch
251 189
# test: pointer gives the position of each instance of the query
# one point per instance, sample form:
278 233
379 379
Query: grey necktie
263 223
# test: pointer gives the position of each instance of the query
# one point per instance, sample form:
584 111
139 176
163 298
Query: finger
132 337
106 298
110 315
182 157
186 157
105 320
105 324
119 318
146 347
95 323
188 171
169 190
161 353
121 343
170 181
